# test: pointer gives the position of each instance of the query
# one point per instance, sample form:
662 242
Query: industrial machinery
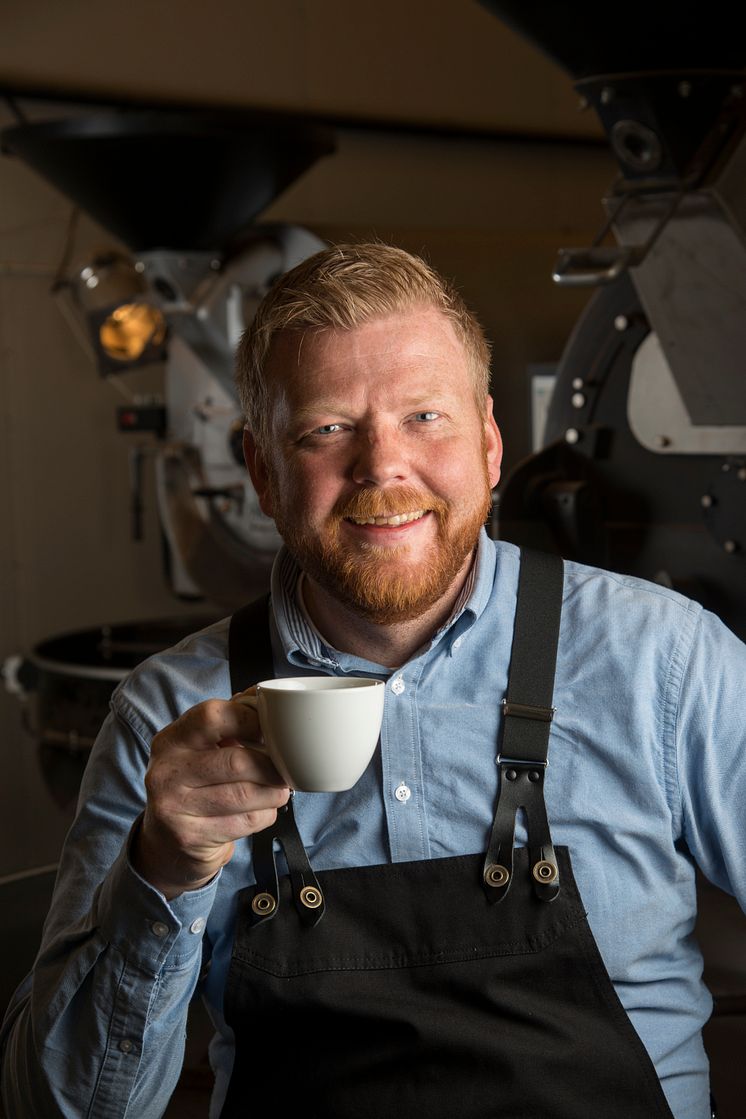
644 464
194 268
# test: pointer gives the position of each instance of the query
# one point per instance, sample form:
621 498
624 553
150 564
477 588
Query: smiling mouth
396 519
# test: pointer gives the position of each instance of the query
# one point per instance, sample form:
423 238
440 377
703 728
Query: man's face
380 468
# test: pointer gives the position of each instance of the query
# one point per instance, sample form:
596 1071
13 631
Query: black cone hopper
171 179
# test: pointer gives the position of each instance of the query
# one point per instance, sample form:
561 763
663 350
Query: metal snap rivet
545 872
311 897
533 775
496 875
510 775
264 904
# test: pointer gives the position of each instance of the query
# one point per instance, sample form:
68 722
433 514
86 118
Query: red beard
385 584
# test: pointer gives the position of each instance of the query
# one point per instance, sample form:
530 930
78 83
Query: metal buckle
501 760
527 711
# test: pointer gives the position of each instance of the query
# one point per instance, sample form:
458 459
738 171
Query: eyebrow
339 406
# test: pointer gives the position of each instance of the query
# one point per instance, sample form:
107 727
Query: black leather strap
250 659
264 898
249 645
528 712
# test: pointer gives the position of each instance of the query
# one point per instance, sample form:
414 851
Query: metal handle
601 264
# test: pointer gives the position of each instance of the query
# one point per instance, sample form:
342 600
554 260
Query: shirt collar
303 644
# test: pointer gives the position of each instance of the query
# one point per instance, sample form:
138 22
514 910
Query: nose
380 459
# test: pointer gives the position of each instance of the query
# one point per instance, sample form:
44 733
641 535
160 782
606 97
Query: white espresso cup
319 731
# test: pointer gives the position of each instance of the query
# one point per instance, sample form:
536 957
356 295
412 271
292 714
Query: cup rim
299 684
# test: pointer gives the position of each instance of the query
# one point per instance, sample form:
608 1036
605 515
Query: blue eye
426 417
328 429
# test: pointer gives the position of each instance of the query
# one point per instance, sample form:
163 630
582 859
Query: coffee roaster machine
643 468
188 270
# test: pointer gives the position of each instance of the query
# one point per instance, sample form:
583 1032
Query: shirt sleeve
98 1028
710 735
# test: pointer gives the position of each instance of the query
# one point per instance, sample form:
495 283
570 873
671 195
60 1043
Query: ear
493 444
257 468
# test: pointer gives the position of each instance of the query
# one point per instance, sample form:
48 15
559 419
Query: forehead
420 343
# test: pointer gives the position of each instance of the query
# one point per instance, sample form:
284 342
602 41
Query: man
438 979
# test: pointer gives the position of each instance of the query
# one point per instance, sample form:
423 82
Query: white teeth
399 519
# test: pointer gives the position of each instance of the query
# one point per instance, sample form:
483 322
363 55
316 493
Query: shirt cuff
150 931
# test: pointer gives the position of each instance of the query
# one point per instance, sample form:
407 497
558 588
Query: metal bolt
742 474
707 501
139 266
215 265
730 546
607 95
577 383
725 467
578 400
621 322
684 88
572 436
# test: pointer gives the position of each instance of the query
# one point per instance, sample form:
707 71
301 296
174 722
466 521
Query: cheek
457 469
310 492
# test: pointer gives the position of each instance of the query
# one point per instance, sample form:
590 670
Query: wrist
170 877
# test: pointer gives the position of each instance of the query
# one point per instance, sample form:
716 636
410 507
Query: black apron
451 988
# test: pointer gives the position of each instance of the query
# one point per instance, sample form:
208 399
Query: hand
206 788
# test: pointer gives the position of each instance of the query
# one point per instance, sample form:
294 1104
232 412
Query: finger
227 765
218 830
238 696
238 798
209 723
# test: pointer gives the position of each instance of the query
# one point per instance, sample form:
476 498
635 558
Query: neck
390 644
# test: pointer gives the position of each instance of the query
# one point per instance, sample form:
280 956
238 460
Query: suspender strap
528 712
250 660
528 704
249 646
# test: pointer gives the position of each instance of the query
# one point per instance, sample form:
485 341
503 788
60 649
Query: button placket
402 766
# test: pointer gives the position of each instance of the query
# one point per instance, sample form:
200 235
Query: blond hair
341 288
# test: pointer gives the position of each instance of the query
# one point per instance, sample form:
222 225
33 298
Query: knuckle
260 819
211 711
236 762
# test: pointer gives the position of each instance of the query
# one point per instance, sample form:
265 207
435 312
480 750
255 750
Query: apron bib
453 988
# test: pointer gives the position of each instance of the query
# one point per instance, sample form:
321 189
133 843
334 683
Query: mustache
388 503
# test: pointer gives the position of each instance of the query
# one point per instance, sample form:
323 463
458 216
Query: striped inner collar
294 620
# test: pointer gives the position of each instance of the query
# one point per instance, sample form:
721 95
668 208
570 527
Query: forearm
67 1058
99 1030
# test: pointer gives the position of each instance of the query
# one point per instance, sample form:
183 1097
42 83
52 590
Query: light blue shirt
646 777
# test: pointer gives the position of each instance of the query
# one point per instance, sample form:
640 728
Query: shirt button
398 686
126 1045
402 792
159 929
197 925
457 642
